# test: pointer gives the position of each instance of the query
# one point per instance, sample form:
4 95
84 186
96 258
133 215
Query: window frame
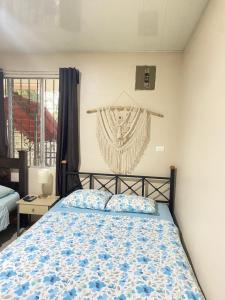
9 86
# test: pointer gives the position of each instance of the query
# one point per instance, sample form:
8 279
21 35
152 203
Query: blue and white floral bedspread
92 256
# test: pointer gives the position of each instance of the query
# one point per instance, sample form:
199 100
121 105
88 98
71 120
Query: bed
73 253
7 206
19 188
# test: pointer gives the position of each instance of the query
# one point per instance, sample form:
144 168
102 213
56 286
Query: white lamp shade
43 176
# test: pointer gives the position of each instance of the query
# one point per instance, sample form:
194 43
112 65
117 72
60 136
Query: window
31 107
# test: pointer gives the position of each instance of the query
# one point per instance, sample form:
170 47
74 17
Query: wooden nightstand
37 207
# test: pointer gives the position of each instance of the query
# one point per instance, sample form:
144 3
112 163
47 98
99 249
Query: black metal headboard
161 189
19 164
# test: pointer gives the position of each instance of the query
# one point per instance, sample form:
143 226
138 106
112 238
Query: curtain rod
27 71
23 73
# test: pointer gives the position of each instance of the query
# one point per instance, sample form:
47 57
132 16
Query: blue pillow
5 191
131 203
93 199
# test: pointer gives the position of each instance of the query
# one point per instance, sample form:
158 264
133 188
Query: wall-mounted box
160 148
145 77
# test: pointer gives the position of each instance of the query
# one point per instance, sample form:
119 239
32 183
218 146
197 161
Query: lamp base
43 196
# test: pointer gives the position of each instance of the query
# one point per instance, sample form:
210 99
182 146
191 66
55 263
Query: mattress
162 212
10 201
87 254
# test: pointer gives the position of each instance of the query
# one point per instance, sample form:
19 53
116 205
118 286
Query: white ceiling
37 26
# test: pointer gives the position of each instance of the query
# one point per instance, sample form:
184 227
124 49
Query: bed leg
172 189
18 221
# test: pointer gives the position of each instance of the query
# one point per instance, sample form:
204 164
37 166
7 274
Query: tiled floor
7 236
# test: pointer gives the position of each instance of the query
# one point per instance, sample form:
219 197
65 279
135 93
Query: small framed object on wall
145 77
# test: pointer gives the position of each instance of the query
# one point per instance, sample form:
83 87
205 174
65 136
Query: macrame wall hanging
123 134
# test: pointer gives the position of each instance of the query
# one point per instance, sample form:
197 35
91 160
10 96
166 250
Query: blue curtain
68 129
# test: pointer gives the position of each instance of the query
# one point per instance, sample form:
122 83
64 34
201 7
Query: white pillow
131 203
5 191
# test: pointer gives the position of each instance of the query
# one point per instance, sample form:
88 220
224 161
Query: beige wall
191 131
200 205
104 77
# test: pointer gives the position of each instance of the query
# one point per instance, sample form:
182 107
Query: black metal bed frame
161 189
161 186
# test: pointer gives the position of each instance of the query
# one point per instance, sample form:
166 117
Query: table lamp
43 178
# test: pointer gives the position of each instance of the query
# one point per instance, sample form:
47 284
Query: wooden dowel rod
156 114
90 111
